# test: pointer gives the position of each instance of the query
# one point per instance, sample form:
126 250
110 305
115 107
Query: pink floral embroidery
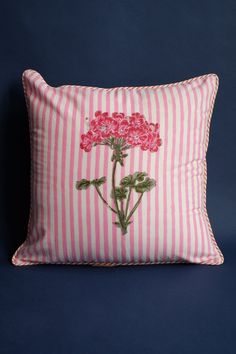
121 133
134 130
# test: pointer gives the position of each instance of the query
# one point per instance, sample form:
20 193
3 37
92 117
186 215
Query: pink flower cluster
134 130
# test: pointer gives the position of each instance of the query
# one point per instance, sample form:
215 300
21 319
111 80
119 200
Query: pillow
118 175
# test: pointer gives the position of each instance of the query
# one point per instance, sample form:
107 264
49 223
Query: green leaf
82 184
120 193
127 181
130 180
139 176
98 181
145 186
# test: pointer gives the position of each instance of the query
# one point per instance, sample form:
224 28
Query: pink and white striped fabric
92 204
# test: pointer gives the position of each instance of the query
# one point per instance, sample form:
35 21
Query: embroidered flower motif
134 130
121 133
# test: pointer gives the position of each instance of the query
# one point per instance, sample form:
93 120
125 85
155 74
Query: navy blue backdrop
141 310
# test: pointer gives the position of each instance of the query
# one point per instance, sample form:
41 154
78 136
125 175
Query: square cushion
118 175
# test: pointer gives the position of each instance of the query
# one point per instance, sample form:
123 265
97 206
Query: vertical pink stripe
55 177
107 212
71 174
33 239
88 192
123 238
172 167
149 211
199 179
157 178
189 233
140 168
180 167
196 108
196 171
48 168
30 82
132 255
64 120
83 93
116 233
37 169
44 176
26 77
165 148
126 173
97 203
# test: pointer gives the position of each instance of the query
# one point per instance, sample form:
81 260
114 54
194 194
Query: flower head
128 131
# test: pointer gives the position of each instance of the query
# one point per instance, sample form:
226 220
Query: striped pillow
118 175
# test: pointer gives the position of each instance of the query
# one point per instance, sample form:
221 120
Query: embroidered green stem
127 203
122 207
104 200
114 193
134 208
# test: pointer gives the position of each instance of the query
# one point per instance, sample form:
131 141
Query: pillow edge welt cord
28 85
220 258
27 89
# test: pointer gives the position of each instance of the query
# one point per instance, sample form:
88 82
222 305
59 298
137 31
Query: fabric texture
118 175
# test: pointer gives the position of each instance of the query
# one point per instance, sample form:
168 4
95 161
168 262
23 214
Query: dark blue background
141 310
